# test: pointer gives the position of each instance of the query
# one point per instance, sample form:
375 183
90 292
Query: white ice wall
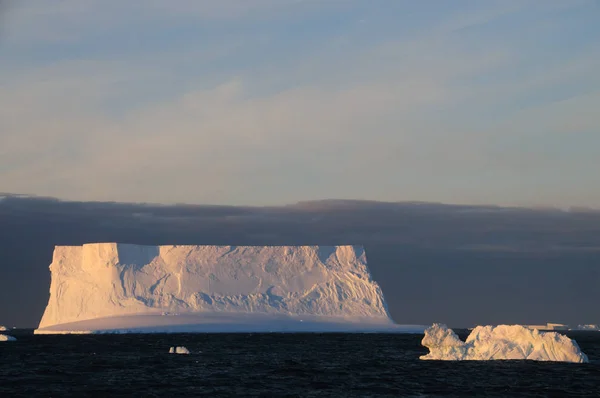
109 279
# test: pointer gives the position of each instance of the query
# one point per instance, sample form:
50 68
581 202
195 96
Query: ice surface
3 328
4 337
443 343
500 342
179 350
114 287
215 322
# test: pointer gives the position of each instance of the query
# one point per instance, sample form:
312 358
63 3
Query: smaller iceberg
4 337
500 342
3 328
179 350
587 327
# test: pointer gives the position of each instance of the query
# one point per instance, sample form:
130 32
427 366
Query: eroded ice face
294 283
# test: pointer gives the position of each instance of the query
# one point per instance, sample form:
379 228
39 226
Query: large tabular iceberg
500 342
120 287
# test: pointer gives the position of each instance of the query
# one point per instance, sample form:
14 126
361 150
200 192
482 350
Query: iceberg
179 350
587 327
500 342
4 337
3 328
120 288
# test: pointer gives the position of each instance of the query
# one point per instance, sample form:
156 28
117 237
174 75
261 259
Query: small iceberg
3 328
500 342
583 327
4 337
179 350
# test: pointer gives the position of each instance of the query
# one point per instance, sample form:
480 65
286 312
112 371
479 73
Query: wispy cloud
232 102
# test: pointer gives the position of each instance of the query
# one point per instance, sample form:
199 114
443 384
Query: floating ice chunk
501 342
4 337
583 327
3 328
179 350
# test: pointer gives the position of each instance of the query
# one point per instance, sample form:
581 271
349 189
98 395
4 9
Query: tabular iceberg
121 287
587 327
500 342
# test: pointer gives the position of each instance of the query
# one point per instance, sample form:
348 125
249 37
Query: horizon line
541 207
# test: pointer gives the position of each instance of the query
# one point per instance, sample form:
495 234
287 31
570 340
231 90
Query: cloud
413 250
309 132
193 134
78 21
243 116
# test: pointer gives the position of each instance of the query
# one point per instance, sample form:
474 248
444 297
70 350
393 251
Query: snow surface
179 350
4 337
500 342
110 287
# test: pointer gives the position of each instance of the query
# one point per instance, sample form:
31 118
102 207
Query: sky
265 102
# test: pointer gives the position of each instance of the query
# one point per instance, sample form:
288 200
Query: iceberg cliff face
110 280
500 342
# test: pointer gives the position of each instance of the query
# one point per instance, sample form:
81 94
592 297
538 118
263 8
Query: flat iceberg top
501 342
110 280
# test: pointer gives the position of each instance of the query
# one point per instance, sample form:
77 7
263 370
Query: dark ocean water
303 365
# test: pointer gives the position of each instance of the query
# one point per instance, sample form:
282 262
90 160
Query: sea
275 365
